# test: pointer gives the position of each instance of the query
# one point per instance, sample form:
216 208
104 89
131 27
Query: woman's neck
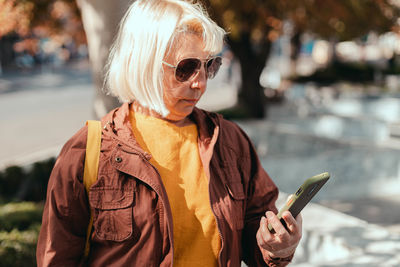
136 107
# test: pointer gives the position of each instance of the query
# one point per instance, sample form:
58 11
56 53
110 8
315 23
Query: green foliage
18 248
20 221
18 184
10 181
339 19
38 178
20 216
19 230
2 187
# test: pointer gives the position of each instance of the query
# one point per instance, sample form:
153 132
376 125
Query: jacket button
118 159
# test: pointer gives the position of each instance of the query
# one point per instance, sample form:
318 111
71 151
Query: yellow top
175 154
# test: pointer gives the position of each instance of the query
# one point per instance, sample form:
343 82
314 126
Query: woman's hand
283 242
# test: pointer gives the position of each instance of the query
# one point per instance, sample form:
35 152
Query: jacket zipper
218 225
172 239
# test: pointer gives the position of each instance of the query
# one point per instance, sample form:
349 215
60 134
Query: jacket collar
206 122
117 124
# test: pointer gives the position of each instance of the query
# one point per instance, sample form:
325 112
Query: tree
252 28
61 19
25 17
101 19
344 19
29 20
255 24
11 14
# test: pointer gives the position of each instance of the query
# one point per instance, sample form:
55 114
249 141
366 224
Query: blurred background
314 83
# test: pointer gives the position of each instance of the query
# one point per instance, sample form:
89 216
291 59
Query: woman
176 185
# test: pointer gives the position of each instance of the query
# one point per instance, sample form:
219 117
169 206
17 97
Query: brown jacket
132 216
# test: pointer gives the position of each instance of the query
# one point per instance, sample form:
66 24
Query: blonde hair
147 33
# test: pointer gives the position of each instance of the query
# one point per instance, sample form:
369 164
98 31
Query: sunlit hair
146 35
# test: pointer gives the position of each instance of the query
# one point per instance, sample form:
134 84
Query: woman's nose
200 79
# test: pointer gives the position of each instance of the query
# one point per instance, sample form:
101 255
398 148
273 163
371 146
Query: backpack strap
91 168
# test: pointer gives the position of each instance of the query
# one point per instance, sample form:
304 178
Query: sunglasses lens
186 68
213 66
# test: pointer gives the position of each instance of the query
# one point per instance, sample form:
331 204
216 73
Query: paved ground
383 211
332 238
40 111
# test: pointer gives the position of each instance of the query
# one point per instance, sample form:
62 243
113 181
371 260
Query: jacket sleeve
66 214
261 196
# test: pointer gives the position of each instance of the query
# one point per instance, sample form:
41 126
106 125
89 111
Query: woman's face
181 97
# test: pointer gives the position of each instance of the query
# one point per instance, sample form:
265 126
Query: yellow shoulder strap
91 168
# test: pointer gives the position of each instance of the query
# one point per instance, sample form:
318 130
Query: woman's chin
180 119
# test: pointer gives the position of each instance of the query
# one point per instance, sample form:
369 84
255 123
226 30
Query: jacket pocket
113 210
236 193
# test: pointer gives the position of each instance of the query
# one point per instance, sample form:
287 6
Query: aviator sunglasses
188 67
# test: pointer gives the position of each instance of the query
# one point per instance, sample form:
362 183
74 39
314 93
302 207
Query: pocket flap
108 198
235 190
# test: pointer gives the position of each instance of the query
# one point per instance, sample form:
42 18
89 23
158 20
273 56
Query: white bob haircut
145 36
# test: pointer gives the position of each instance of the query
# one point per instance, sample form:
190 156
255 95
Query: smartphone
303 195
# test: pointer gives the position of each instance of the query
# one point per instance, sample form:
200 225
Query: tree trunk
295 47
251 93
7 54
252 61
100 20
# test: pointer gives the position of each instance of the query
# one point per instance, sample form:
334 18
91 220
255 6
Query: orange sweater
175 154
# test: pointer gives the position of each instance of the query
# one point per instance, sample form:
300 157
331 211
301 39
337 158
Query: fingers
263 235
294 226
282 242
264 228
276 223
291 223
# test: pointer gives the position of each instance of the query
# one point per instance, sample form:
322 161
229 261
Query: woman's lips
191 101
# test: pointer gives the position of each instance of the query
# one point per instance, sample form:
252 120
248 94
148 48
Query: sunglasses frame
204 62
